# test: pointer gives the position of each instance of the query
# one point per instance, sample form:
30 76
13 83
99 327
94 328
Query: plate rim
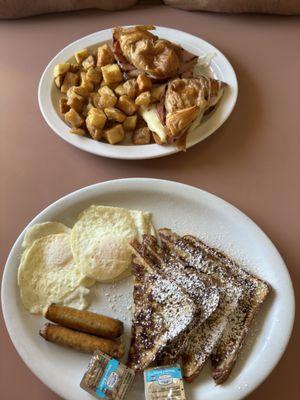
103 150
149 182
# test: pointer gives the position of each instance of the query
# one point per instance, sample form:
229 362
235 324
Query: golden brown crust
139 48
81 341
84 321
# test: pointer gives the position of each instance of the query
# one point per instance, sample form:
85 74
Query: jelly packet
164 383
106 377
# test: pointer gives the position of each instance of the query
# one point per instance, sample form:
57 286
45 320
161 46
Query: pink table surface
252 161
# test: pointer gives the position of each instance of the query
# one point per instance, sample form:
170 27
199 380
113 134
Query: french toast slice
162 311
199 286
253 292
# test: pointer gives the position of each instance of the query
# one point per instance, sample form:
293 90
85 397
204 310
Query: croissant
139 51
188 99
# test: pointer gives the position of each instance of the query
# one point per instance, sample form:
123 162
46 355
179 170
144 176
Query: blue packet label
163 376
109 379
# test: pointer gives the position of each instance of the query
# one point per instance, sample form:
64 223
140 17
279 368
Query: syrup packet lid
107 378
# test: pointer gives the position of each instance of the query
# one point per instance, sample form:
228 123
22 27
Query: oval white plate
186 210
48 96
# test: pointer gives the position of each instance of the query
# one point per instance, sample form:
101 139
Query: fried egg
100 240
47 272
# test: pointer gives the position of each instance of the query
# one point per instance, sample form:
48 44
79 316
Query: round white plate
186 210
48 96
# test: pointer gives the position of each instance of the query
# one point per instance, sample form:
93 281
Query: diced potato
74 119
130 88
94 74
80 91
130 123
119 90
143 99
69 81
81 55
77 102
107 97
96 118
111 73
61 69
95 99
127 105
59 80
157 92
95 133
86 108
105 55
144 83
88 62
86 83
63 106
115 114
141 136
78 131
74 68
115 134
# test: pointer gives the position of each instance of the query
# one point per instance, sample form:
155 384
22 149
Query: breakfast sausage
84 321
81 341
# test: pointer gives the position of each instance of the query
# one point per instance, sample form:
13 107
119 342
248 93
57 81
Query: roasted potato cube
95 133
130 123
144 83
69 81
111 73
141 136
157 92
61 69
115 134
79 91
88 62
115 114
130 88
94 99
126 104
77 102
59 80
86 108
63 106
81 55
96 118
119 90
78 131
107 97
73 118
86 83
105 55
74 68
94 74
143 99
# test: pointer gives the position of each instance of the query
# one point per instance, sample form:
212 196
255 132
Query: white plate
186 210
48 96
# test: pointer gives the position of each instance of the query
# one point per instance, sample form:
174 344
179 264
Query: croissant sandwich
137 51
